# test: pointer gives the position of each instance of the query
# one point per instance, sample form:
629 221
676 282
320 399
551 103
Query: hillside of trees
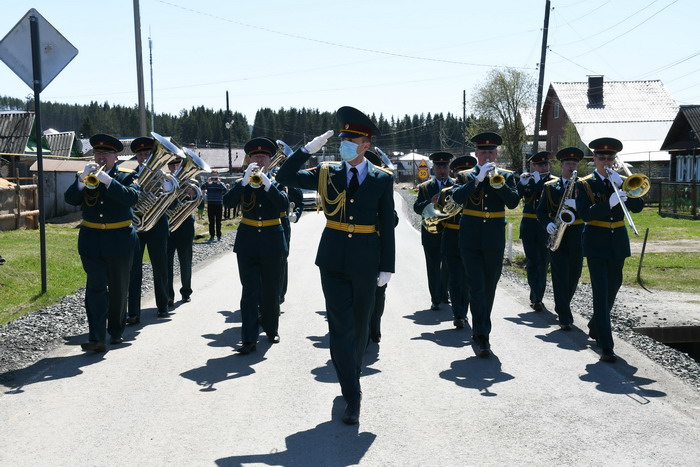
202 126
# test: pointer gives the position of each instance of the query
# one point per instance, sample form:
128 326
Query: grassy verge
20 275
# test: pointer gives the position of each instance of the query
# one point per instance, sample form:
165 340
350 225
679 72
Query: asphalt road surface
177 394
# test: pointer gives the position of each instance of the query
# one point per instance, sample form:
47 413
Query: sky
390 57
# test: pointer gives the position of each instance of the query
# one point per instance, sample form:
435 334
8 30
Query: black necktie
608 186
354 182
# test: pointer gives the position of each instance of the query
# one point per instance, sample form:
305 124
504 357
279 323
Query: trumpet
255 180
636 185
91 181
496 180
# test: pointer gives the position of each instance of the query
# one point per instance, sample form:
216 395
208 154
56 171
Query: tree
502 97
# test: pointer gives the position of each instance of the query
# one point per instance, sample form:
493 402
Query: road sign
55 50
422 164
423 174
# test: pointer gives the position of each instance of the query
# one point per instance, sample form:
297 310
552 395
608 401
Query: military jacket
261 207
426 191
106 206
487 229
530 229
547 212
371 206
593 205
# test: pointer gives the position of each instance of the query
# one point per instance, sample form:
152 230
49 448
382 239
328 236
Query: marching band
565 219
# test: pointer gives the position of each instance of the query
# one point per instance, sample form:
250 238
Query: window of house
697 169
556 110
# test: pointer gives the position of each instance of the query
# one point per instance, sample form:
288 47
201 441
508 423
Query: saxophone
564 217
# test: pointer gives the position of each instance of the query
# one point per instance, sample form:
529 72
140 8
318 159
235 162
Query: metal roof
623 101
685 131
60 144
15 127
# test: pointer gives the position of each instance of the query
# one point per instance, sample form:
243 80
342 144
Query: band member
605 240
107 239
484 192
156 240
288 218
428 192
533 235
459 287
215 189
353 258
567 258
260 245
180 240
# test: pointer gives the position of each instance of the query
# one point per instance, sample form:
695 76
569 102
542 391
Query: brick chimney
595 91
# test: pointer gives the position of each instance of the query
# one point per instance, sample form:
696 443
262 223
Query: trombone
636 185
626 211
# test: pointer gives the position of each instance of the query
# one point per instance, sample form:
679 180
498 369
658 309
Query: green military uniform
482 237
567 259
435 264
295 196
106 243
181 240
260 249
351 253
533 235
605 243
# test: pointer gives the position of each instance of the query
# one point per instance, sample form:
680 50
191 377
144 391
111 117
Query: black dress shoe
592 334
186 299
351 416
163 314
608 356
539 306
273 337
246 348
376 338
133 320
482 346
94 346
434 306
459 323
171 302
565 327
116 340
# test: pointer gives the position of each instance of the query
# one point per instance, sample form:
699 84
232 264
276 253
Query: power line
671 65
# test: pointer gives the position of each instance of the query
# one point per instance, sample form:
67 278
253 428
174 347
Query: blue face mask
348 150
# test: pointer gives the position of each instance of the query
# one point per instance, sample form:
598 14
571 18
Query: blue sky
383 56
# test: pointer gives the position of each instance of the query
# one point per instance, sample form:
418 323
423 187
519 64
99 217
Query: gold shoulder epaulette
587 177
125 170
331 162
384 170
549 182
505 170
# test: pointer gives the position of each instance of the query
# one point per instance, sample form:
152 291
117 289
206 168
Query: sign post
37 53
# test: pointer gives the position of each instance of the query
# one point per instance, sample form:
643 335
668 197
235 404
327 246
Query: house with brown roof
638 113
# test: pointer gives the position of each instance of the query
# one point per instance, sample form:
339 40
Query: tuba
564 216
189 195
445 209
158 189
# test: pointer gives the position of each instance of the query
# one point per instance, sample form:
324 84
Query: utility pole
229 124
150 53
139 70
464 122
540 83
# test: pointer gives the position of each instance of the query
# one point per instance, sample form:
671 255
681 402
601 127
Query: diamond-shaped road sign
16 50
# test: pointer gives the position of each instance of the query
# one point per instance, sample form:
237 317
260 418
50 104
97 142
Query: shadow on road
217 370
330 444
477 373
428 317
575 339
447 337
533 319
619 378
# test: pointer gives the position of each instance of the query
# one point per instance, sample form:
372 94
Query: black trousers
459 287
158 253
260 295
566 272
375 322
214 211
606 279
438 275
180 241
536 263
349 303
105 294
483 269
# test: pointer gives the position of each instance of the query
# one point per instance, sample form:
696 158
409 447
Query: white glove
614 199
485 169
246 175
383 279
318 142
524 178
551 227
89 167
615 178
570 202
293 217
285 147
104 178
266 181
537 176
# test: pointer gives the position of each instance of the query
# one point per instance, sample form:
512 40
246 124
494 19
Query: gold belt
283 214
109 226
352 228
607 225
529 216
485 214
265 223
451 226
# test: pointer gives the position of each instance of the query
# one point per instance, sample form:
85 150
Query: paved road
176 394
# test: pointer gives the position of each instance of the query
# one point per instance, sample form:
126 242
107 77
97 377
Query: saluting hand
318 142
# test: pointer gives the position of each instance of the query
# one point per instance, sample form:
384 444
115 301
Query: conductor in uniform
428 192
533 235
605 240
459 287
567 258
156 240
353 257
260 244
106 241
484 192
